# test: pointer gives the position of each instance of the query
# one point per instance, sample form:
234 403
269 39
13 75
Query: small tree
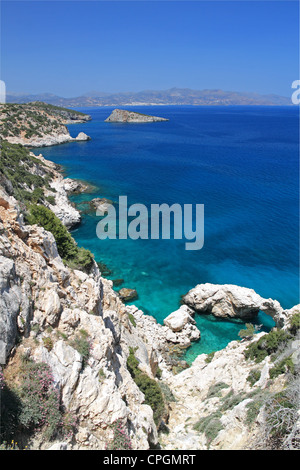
248 332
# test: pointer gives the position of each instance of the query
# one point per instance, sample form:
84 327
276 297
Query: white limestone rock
231 301
10 301
178 319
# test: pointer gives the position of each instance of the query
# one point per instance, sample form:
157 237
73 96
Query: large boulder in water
231 301
178 319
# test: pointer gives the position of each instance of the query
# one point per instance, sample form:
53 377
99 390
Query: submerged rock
100 203
127 294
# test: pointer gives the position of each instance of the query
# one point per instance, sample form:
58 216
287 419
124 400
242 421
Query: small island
120 115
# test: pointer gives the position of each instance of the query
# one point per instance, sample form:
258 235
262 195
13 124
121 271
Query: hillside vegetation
36 119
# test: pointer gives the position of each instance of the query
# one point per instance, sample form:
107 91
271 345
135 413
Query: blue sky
70 48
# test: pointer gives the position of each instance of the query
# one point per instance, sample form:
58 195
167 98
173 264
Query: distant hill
173 96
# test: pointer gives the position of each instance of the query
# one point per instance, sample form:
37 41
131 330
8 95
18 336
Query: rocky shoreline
63 137
39 124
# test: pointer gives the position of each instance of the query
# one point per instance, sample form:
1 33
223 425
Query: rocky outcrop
182 327
49 305
39 124
230 301
59 136
179 330
82 137
120 115
219 401
62 208
127 295
74 186
61 205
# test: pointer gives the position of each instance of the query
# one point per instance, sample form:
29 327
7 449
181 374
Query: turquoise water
240 162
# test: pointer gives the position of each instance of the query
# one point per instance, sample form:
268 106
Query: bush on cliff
266 345
149 387
16 165
30 404
75 257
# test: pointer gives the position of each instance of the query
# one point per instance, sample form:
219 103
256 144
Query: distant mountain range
173 96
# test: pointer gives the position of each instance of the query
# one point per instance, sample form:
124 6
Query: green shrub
16 164
215 390
295 323
282 367
266 345
209 357
51 200
32 405
48 343
167 392
253 409
82 260
210 426
253 376
82 344
231 400
76 258
248 332
39 399
149 387
132 319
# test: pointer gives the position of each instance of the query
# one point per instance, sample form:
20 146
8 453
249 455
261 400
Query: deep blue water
240 162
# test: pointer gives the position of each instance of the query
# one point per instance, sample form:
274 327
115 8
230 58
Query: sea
240 162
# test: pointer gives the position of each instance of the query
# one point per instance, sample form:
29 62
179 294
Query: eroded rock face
178 331
38 292
10 301
200 391
177 320
231 301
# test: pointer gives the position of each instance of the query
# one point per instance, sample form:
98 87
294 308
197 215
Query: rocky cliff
48 313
